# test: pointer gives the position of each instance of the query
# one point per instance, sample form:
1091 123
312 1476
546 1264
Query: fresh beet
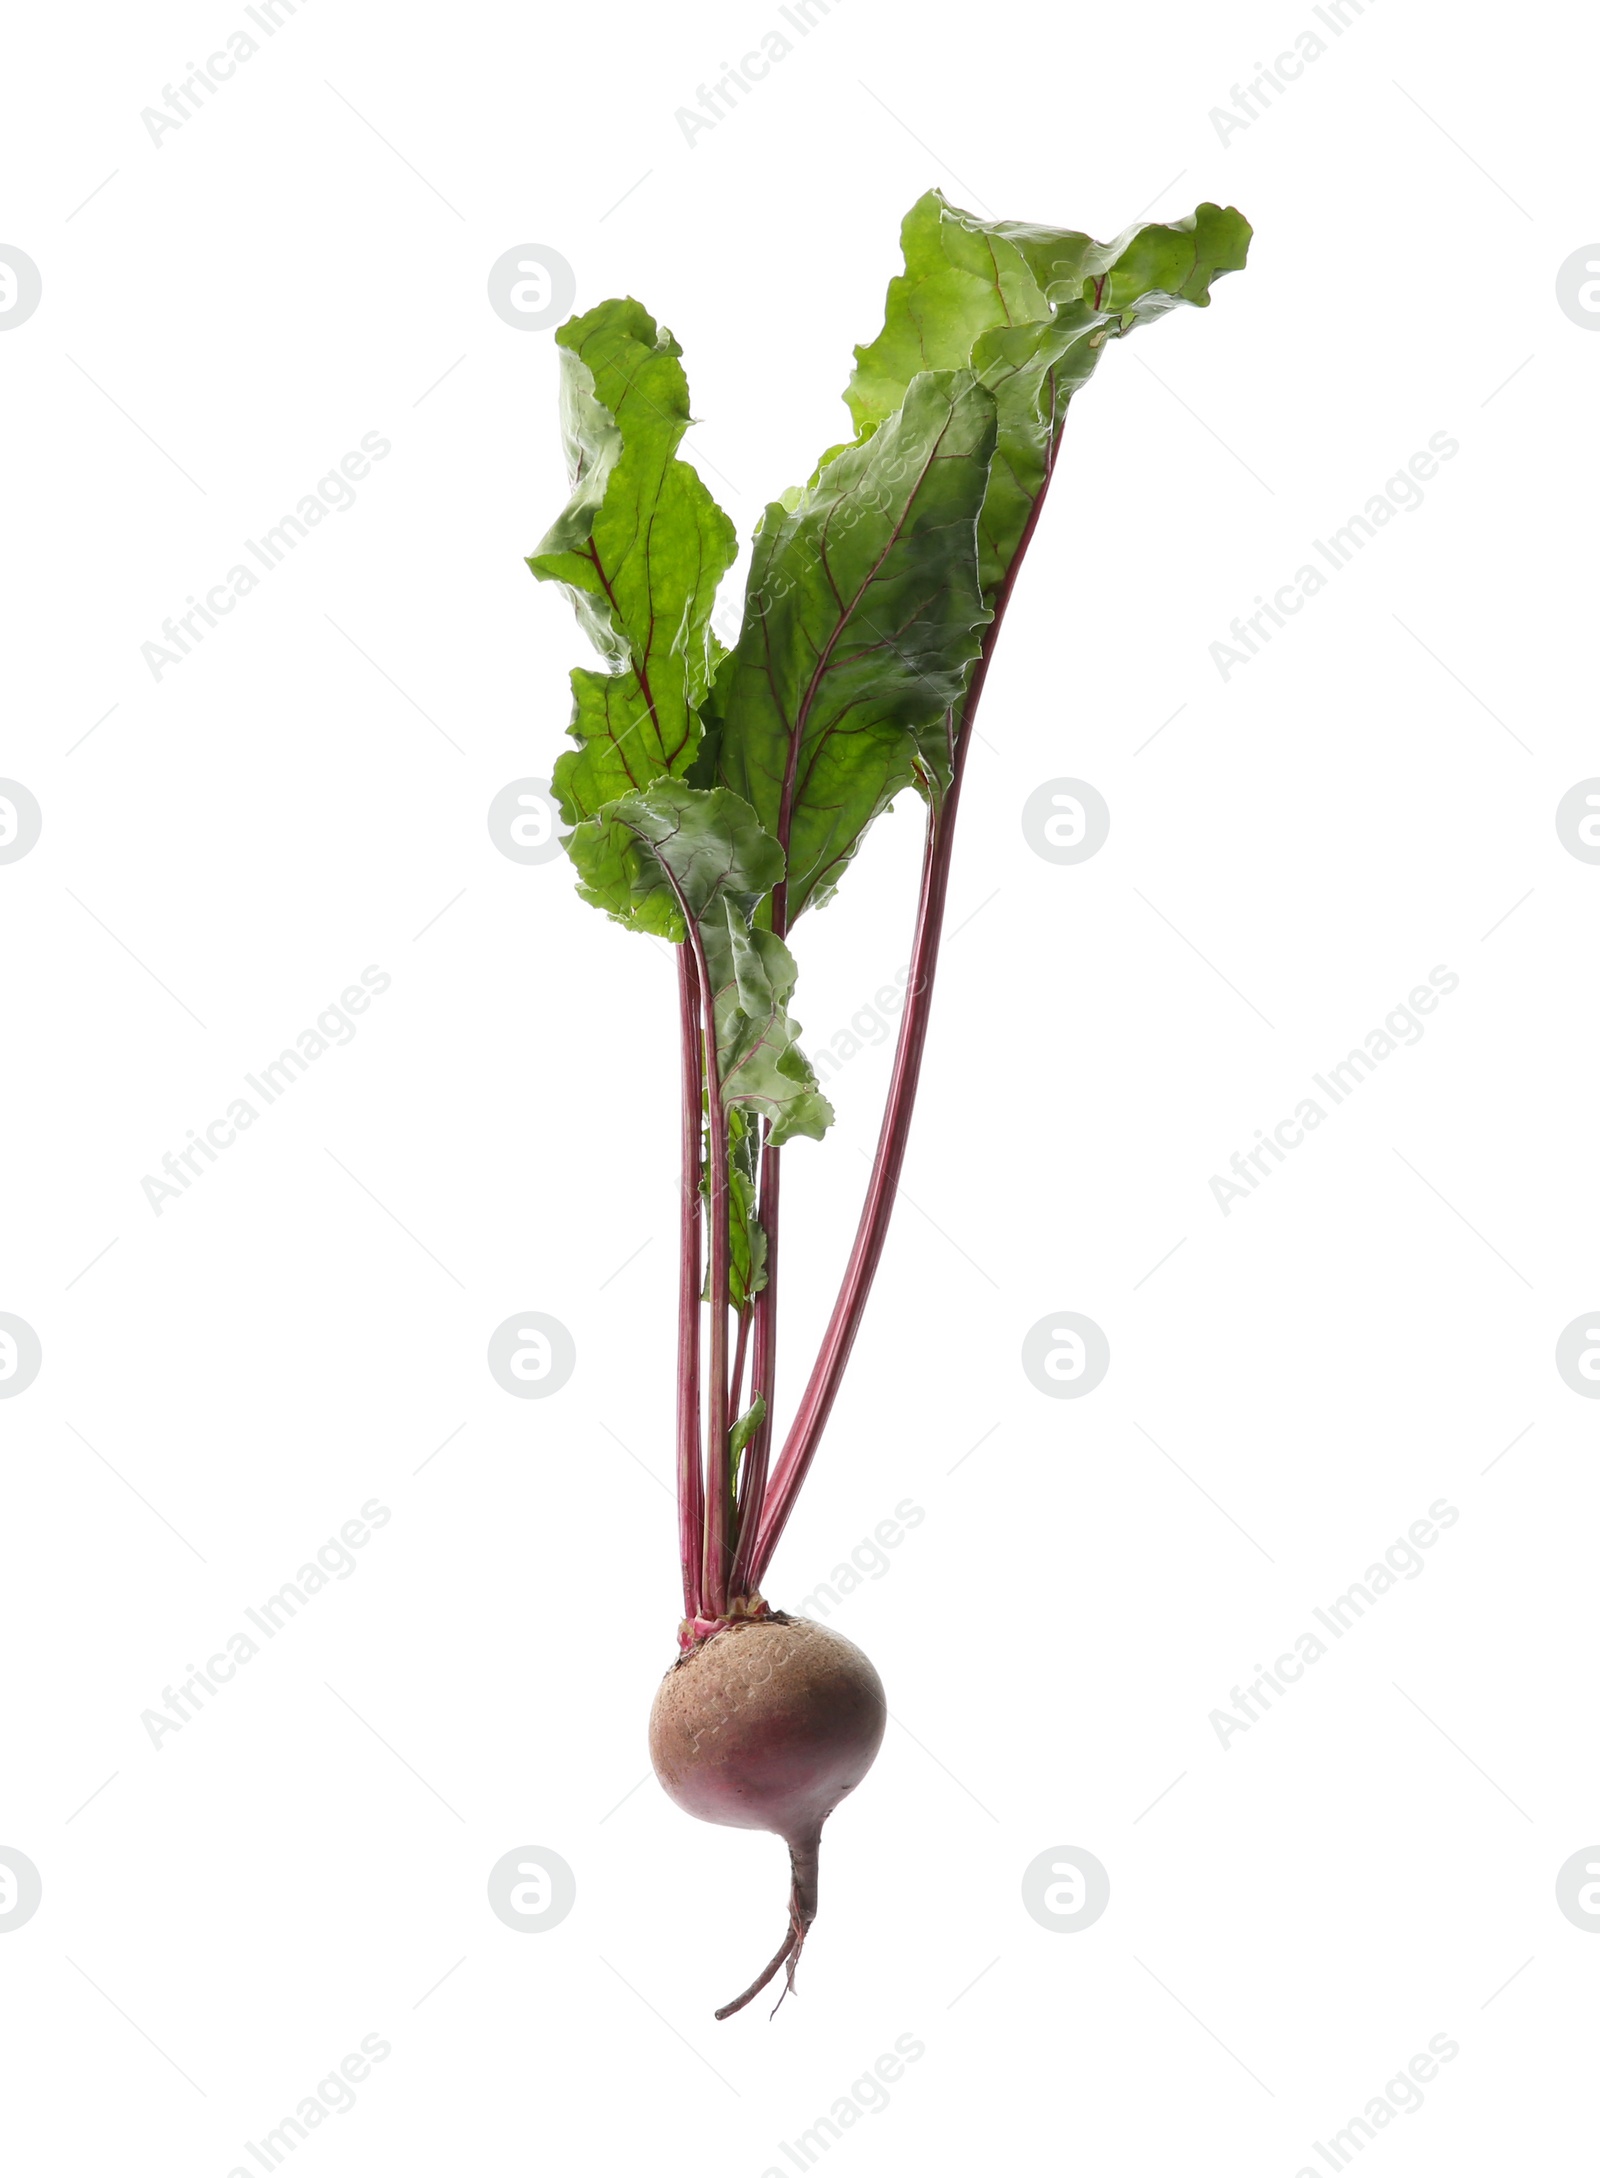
714 795
767 1725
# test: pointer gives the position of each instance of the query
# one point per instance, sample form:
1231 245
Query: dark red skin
766 1726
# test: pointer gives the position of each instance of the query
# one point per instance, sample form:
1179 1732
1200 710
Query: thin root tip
786 1956
802 1912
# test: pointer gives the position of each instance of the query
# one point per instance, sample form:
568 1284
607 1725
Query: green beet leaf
640 549
659 860
747 1240
743 1430
862 618
851 664
1030 310
677 855
763 1068
746 1426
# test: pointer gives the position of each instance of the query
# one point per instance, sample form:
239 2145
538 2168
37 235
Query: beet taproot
766 1726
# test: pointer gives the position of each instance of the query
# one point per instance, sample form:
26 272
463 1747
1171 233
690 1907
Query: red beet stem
716 1553
691 1485
873 1231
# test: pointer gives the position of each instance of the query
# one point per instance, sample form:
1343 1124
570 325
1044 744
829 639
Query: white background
304 262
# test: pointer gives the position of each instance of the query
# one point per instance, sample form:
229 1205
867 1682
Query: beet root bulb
766 1726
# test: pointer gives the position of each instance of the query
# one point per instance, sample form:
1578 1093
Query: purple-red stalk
718 1492
691 1486
828 1370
